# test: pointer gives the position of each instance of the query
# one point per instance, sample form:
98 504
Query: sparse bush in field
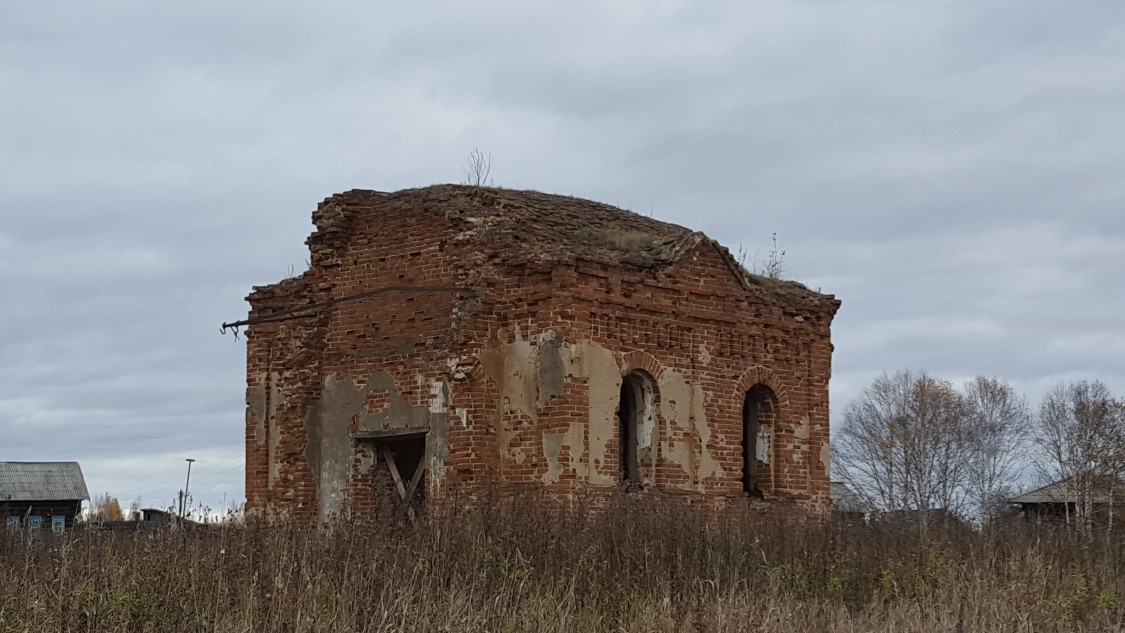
640 563
106 508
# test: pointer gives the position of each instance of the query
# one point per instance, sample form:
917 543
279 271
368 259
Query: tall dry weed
629 563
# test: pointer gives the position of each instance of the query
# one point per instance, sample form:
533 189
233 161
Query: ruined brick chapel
452 338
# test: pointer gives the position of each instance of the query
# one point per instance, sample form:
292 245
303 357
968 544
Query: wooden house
45 495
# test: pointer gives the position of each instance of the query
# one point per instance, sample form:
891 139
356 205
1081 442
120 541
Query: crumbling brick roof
535 228
547 227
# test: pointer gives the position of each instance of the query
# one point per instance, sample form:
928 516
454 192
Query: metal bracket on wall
312 311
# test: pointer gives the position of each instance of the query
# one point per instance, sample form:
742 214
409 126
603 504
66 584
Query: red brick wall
511 361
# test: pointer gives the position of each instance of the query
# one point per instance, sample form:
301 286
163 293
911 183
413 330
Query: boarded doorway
401 456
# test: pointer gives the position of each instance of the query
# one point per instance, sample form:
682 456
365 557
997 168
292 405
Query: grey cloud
949 170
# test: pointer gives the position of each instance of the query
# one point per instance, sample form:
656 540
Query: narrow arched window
634 416
759 418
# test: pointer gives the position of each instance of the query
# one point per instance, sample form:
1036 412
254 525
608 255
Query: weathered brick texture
494 329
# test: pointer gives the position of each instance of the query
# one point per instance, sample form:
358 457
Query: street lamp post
183 499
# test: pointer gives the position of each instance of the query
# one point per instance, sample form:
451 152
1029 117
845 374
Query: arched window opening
759 419
634 415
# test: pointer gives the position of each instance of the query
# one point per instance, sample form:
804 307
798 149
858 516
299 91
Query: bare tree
1000 424
906 444
1080 433
135 510
479 169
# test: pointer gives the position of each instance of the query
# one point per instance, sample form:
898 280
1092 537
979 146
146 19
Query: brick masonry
499 325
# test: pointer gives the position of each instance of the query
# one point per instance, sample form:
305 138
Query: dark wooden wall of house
45 509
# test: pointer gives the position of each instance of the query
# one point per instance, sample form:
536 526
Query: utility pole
183 498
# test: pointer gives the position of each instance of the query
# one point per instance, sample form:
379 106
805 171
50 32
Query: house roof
843 498
1065 492
42 481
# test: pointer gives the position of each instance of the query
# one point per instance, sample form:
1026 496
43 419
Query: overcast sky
953 171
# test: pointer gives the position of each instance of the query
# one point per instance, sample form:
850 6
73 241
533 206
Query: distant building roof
42 481
844 499
1064 492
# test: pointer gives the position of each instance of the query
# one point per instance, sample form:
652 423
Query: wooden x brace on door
405 491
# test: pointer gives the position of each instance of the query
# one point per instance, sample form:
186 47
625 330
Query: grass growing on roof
616 239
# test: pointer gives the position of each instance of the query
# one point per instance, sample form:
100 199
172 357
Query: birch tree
1080 433
1000 427
906 444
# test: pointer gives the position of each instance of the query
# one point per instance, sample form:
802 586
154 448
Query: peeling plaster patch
330 450
312 444
256 409
802 430
675 409
262 403
762 444
517 454
646 428
366 460
528 376
274 440
504 437
463 415
552 450
826 457
370 410
552 371
553 444
704 354
437 447
575 440
678 453
439 396
603 379
459 368
708 466
675 400
683 408
512 369
398 413
257 422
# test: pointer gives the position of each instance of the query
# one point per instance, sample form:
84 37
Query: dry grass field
642 564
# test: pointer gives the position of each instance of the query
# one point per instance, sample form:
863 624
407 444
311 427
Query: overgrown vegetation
772 267
478 170
616 239
644 564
